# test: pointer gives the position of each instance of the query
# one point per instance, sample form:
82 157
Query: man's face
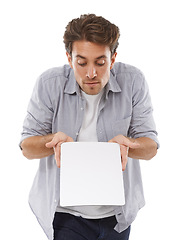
91 64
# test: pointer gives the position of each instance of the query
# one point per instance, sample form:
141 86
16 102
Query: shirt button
77 133
82 108
55 200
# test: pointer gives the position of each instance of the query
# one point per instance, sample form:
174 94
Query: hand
56 142
125 143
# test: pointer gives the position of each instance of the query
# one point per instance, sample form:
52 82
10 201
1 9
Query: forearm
34 147
146 150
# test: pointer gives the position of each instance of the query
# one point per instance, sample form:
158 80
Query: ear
113 60
69 59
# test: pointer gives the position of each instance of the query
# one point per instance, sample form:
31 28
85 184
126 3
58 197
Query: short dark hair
94 29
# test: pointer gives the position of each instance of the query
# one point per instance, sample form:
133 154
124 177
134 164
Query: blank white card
91 174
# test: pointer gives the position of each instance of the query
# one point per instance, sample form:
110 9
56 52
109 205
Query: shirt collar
73 87
113 85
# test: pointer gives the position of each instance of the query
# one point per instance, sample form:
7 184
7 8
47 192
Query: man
91 99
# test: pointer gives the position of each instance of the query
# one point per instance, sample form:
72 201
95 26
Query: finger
124 156
134 145
57 157
128 143
61 137
69 139
51 144
120 139
58 153
56 142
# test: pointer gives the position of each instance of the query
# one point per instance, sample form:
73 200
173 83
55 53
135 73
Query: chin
92 92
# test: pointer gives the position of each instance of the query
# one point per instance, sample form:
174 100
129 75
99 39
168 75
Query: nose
91 72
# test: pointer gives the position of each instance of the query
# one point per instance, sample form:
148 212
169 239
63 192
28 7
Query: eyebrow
79 56
103 56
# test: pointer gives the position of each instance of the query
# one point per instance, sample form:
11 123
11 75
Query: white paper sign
91 174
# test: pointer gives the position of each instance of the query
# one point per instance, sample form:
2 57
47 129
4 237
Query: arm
38 123
140 148
34 147
43 146
147 149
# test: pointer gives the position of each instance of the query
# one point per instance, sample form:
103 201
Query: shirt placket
80 112
101 134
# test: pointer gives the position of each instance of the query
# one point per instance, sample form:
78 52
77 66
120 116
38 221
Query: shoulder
52 82
126 74
58 74
125 69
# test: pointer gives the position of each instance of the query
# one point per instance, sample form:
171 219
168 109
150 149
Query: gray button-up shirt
57 105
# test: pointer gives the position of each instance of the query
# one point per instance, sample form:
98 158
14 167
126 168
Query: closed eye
82 64
100 62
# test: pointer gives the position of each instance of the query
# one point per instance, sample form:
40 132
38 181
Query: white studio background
31 42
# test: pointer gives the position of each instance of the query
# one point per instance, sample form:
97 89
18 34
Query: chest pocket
121 126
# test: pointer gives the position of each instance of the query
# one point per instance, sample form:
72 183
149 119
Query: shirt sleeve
142 121
39 113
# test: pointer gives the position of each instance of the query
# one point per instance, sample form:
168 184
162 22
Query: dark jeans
70 227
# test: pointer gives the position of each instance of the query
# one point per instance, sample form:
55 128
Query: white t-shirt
88 134
88 129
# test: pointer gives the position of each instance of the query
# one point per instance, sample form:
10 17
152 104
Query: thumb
128 142
50 144
134 145
69 139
